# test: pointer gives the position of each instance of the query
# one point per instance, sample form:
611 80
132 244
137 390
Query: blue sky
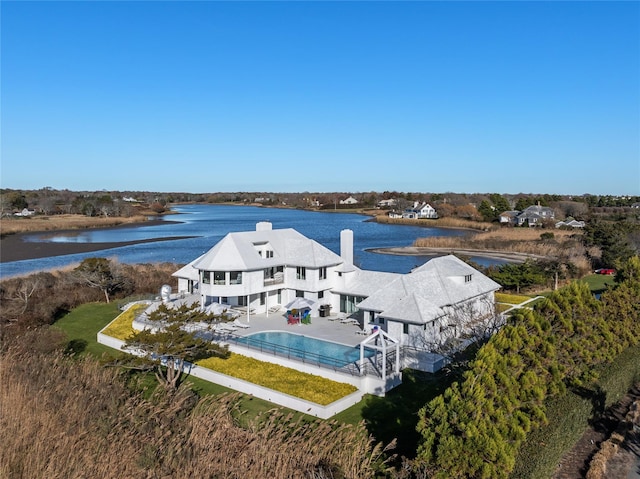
533 97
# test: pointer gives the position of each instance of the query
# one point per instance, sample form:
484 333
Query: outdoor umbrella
300 303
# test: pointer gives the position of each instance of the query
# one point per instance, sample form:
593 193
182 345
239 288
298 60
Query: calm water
304 347
210 223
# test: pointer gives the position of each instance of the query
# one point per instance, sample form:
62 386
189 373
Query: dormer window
467 278
263 249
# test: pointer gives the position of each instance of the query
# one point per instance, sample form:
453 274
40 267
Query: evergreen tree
175 336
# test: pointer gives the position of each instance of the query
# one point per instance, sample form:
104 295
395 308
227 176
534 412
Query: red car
608 271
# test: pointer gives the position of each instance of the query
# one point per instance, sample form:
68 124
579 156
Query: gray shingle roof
237 252
419 296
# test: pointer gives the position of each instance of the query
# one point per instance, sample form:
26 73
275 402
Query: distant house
532 216
349 201
635 205
535 215
387 203
25 212
420 211
509 217
571 223
395 214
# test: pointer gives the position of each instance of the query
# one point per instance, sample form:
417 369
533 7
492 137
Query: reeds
513 240
63 222
63 418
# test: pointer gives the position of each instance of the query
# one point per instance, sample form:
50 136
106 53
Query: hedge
569 415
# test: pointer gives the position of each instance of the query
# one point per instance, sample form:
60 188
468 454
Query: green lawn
599 282
83 323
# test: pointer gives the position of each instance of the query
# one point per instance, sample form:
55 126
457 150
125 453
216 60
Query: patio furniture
236 322
275 309
349 321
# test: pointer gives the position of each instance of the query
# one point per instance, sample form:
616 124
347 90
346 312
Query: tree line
473 206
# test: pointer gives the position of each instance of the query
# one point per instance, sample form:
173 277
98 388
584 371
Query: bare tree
16 302
100 273
463 325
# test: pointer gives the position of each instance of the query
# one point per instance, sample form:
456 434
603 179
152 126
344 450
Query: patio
337 328
328 328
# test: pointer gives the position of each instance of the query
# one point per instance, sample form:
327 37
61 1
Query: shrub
306 386
511 298
120 328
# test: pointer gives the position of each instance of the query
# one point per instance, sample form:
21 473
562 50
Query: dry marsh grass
439 223
564 244
62 222
64 418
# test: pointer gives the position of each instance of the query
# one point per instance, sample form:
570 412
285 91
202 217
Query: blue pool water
304 348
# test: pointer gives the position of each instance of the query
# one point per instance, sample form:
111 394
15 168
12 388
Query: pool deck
327 328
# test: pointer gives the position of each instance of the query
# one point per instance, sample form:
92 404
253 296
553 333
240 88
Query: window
299 294
263 297
320 294
279 296
323 273
242 300
225 300
269 254
467 278
301 272
348 303
405 328
206 277
235 277
219 277
380 320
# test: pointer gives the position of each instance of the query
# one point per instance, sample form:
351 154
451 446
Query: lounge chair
349 321
236 322
225 328
275 309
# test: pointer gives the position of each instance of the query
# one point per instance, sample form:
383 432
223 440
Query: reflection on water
207 224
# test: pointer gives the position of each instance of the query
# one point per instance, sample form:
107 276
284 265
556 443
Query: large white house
265 269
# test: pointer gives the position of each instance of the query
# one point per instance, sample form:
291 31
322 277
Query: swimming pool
304 348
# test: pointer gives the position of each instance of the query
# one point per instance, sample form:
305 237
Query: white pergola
381 341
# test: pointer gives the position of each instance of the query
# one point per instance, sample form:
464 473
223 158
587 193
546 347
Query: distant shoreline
14 248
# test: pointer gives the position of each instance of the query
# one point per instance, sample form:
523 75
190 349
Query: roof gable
440 282
239 251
